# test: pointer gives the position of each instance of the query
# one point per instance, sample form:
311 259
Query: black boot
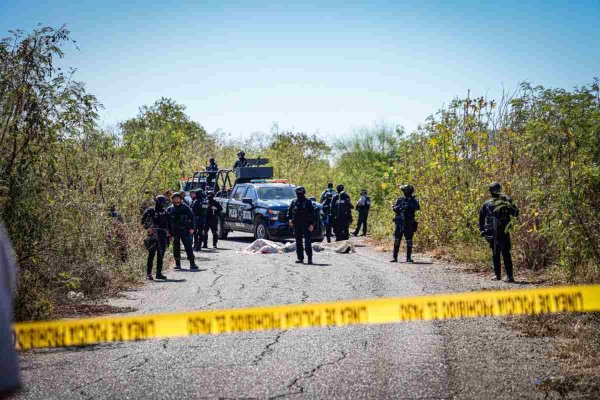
409 254
396 250
177 264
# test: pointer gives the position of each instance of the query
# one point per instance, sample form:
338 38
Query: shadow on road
169 280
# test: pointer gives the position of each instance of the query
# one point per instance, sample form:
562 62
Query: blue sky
327 67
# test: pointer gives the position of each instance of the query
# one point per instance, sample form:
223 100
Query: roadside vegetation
61 173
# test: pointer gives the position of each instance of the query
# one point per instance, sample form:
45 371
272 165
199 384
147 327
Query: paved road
423 360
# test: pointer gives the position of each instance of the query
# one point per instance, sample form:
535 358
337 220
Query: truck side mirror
248 201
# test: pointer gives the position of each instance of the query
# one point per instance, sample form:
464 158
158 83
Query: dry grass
576 339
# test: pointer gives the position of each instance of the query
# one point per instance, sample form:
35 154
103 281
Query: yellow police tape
86 331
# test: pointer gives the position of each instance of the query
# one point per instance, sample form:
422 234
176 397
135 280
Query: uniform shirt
212 168
9 367
328 190
242 162
156 218
364 203
200 206
488 226
341 206
302 212
180 218
405 209
214 209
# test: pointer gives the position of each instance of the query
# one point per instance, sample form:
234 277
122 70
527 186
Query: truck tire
222 232
260 230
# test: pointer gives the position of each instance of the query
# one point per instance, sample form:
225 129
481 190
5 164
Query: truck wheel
222 232
260 230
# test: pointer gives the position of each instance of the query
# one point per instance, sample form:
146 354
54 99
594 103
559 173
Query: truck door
234 207
247 209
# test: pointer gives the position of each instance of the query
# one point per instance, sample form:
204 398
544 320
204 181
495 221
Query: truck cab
256 203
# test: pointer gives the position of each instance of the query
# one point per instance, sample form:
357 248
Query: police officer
241 162
302 218
494 224
405 209
328 190
342 212
327 216
181 227
213 211
186 198
362 206
156 221
212 168
199 207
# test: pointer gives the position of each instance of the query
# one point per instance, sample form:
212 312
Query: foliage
60 173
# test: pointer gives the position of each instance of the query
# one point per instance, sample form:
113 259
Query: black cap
241 154
160 200
340 188
495 187
300 190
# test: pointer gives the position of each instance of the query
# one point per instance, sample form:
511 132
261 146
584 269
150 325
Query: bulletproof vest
342 205
301 210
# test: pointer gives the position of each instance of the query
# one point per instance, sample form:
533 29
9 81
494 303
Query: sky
330 68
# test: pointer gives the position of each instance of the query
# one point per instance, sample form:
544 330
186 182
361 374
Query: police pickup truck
253 202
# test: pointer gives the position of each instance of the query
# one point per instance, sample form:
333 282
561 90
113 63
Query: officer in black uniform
342 212
405 209
156 221
362 206
199 208
213 211
302 219
327 216
494 224
328 190
241 162
181 225
212 168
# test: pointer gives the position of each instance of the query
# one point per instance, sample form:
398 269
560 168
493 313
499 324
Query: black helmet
241 154
340 188
176 194
407 189
210 193
300 190
495 187
211 160
160 200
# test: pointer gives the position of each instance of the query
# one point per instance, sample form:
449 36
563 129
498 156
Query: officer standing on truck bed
404 221
156 221
494 224
212 168
214 209
342 212
302 219
241 161
181 225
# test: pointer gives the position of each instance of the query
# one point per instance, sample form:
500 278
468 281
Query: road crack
268 348
295 387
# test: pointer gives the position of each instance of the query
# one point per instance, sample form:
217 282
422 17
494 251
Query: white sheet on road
263 246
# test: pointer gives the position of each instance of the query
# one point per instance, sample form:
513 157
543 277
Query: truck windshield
276 193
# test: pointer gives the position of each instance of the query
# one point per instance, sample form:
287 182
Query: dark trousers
501 248
300 233
186 238
159 251
211 223
199 232
362 222
406 232
342 229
